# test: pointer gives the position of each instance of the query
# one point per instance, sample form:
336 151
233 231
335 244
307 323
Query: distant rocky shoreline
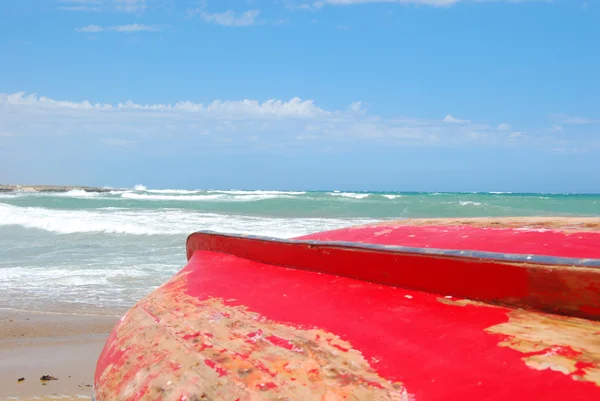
50 188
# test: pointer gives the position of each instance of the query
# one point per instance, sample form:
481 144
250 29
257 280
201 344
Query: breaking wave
161 222
349 195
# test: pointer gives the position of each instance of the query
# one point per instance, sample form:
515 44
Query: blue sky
438 95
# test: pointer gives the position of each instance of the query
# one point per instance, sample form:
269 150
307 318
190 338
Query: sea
93 253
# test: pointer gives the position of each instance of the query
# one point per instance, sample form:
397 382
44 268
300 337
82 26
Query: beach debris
20 379
47 378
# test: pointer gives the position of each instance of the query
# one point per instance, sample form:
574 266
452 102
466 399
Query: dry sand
66 347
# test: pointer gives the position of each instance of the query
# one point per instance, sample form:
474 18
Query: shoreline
34 344
52 188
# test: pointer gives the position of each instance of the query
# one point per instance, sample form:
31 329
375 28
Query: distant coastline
51 188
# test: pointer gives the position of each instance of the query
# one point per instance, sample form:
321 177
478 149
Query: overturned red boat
473 309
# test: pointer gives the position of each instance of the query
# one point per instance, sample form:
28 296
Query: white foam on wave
349 195
139 187
251 198
392 196
162 222
469 203
77 193
173 191
133 195
256 192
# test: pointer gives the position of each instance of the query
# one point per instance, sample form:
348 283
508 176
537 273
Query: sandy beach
65 347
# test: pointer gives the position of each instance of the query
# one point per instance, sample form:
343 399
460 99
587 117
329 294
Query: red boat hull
422 311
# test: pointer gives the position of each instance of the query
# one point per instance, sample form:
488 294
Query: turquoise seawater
98 253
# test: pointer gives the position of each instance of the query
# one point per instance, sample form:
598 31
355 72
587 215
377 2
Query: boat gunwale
417 251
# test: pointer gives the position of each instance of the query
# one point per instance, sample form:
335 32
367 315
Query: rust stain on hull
562 344
174 347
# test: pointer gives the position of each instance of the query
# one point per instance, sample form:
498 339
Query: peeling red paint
219 370
280 342
267 386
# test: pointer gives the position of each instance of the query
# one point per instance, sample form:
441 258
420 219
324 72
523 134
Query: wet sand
62 346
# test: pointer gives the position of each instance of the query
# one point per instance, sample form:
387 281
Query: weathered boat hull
386 312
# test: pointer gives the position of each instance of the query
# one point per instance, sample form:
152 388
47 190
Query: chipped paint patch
570 346
448 300
245 357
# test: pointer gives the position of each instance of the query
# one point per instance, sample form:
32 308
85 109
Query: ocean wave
139 187
162 222
199 198
392 196
349 195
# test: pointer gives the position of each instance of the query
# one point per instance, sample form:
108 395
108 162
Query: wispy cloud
318 4
119 142
572 120
126 6
81 1
437 3
82 8
118 28
451 119
231 18
293 122
131 6
504 127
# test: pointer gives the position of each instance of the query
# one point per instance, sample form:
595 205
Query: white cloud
118 28
451 119
230 18
294 122
504 127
